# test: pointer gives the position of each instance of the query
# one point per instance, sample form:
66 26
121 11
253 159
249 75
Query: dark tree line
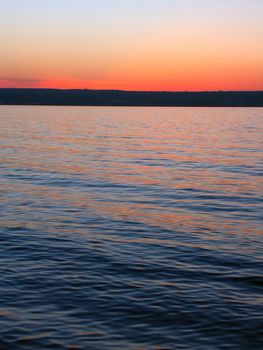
129 98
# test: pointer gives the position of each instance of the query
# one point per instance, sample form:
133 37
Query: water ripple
131 228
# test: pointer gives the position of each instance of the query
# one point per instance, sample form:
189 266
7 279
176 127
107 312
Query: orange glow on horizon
130 45
133 86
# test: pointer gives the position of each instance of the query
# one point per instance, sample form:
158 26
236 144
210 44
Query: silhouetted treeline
129 98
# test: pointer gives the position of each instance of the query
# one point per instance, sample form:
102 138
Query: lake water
131 228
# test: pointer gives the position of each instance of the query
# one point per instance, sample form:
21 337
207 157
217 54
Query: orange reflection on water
174 168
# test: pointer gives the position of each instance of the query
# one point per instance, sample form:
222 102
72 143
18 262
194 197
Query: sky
166 45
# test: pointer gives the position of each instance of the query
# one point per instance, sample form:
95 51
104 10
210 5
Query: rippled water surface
131 228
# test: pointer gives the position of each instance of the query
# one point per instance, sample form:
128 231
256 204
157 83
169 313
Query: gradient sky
132 44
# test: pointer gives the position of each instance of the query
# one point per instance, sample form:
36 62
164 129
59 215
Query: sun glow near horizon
132 45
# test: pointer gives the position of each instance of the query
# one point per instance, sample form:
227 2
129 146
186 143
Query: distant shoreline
122 98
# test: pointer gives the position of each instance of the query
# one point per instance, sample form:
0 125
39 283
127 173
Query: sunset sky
132 44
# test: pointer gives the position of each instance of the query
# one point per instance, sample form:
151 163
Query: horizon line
123 90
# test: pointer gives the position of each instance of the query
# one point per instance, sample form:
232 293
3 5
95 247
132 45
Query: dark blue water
131 228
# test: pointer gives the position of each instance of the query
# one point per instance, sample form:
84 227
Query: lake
131 228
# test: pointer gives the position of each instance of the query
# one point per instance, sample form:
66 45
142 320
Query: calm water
131 228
